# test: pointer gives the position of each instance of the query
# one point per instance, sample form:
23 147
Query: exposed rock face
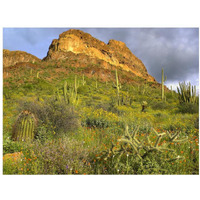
115 53
11 58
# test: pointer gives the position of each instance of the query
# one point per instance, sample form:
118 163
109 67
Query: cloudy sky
174 49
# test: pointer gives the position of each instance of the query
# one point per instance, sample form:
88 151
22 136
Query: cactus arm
157 141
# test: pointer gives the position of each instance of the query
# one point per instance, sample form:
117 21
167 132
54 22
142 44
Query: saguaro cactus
24 127
117 86
65 91
163 81
83 81
70 95
38 74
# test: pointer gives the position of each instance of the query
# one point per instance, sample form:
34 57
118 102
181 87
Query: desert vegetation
64 122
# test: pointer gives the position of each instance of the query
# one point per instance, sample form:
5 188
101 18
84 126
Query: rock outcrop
11 58
114 54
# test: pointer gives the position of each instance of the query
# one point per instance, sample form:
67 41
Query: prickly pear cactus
24 127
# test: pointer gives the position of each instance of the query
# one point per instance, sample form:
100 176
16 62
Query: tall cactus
24 127
187 93
117 86
83 81
163 87
37 74
65 91
70 95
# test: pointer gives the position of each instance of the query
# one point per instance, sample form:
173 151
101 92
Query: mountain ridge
115 53
14 57
81 50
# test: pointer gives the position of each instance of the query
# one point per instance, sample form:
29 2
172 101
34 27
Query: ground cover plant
83 125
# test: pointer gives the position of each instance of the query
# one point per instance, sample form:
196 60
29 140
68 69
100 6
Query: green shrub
10 146
131 156
55 116
159 105
98 118
188 108
160 116
82 89
7 93
196 123
63 156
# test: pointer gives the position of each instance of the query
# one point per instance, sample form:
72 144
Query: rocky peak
13 57
115 53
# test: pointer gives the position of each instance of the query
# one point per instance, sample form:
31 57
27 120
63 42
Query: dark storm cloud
174 49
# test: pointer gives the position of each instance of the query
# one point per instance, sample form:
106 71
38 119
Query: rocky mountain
78 49
85 49
11 58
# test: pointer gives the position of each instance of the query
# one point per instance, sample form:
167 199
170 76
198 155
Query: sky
176 50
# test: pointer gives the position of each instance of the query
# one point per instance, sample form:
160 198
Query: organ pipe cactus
163 87
65 91
187 93
70 95
24 127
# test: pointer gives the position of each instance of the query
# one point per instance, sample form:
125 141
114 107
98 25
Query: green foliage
188 108
62 156
83 89
134 156
196 123
7 93
10 146
55 117
159 105
63 146
98 118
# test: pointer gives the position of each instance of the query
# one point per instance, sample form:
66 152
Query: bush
53 116
98 118
10 146
196 123
160 105
82 89
188 108
62 156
